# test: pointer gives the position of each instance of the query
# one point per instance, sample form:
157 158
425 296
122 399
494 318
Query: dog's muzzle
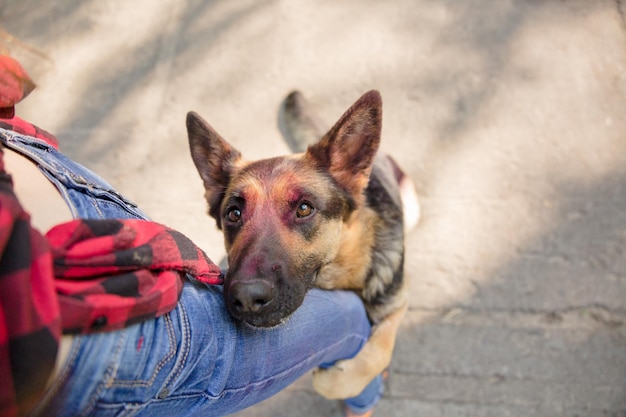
255 302
250 297
264 301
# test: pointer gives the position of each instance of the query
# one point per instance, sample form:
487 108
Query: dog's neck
357 238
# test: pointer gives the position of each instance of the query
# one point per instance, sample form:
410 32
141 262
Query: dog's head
282 217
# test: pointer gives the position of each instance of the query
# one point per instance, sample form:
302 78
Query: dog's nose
251 296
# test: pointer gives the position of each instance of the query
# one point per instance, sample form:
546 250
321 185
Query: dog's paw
339 381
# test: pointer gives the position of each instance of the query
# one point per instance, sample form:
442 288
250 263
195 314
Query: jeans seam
185 345
171 337
62 190
23 144
306 363
47 160
109 375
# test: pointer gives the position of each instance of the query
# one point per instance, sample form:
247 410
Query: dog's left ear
215 159
347 151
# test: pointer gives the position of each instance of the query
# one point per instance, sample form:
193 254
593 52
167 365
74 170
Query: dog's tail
298 124
410 201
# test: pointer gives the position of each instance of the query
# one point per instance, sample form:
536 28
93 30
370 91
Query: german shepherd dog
333 216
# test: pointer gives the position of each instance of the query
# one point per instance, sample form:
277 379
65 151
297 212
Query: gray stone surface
508 115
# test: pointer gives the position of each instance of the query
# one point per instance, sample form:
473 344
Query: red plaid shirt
83 276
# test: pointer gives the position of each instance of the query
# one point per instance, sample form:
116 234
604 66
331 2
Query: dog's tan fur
329 216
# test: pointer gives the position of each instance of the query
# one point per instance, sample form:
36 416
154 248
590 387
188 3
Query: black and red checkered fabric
15 84
83 276
9 121
113 273
30 323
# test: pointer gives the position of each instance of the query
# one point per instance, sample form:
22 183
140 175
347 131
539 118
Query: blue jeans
194 360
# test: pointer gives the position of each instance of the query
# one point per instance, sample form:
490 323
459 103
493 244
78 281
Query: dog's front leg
347 378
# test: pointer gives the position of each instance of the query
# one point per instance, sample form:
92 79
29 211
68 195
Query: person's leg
199 360
329 326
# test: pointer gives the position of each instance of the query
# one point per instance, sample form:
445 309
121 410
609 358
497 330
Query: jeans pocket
149 357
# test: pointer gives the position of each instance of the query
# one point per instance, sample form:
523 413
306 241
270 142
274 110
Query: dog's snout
250 297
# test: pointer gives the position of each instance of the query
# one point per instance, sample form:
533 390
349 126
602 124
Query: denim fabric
87 195
195 360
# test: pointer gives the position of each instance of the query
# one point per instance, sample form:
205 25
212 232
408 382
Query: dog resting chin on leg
332 215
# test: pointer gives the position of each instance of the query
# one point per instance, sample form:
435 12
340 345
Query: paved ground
509 116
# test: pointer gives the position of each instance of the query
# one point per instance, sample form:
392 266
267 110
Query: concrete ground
510 116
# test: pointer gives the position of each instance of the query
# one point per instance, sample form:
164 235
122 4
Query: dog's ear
214 158
347 151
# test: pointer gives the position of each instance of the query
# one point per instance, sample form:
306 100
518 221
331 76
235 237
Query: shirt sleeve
30 324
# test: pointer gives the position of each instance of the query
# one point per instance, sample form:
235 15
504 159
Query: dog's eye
234 215
304 210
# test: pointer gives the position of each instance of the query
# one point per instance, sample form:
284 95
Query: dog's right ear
348 150
215 160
